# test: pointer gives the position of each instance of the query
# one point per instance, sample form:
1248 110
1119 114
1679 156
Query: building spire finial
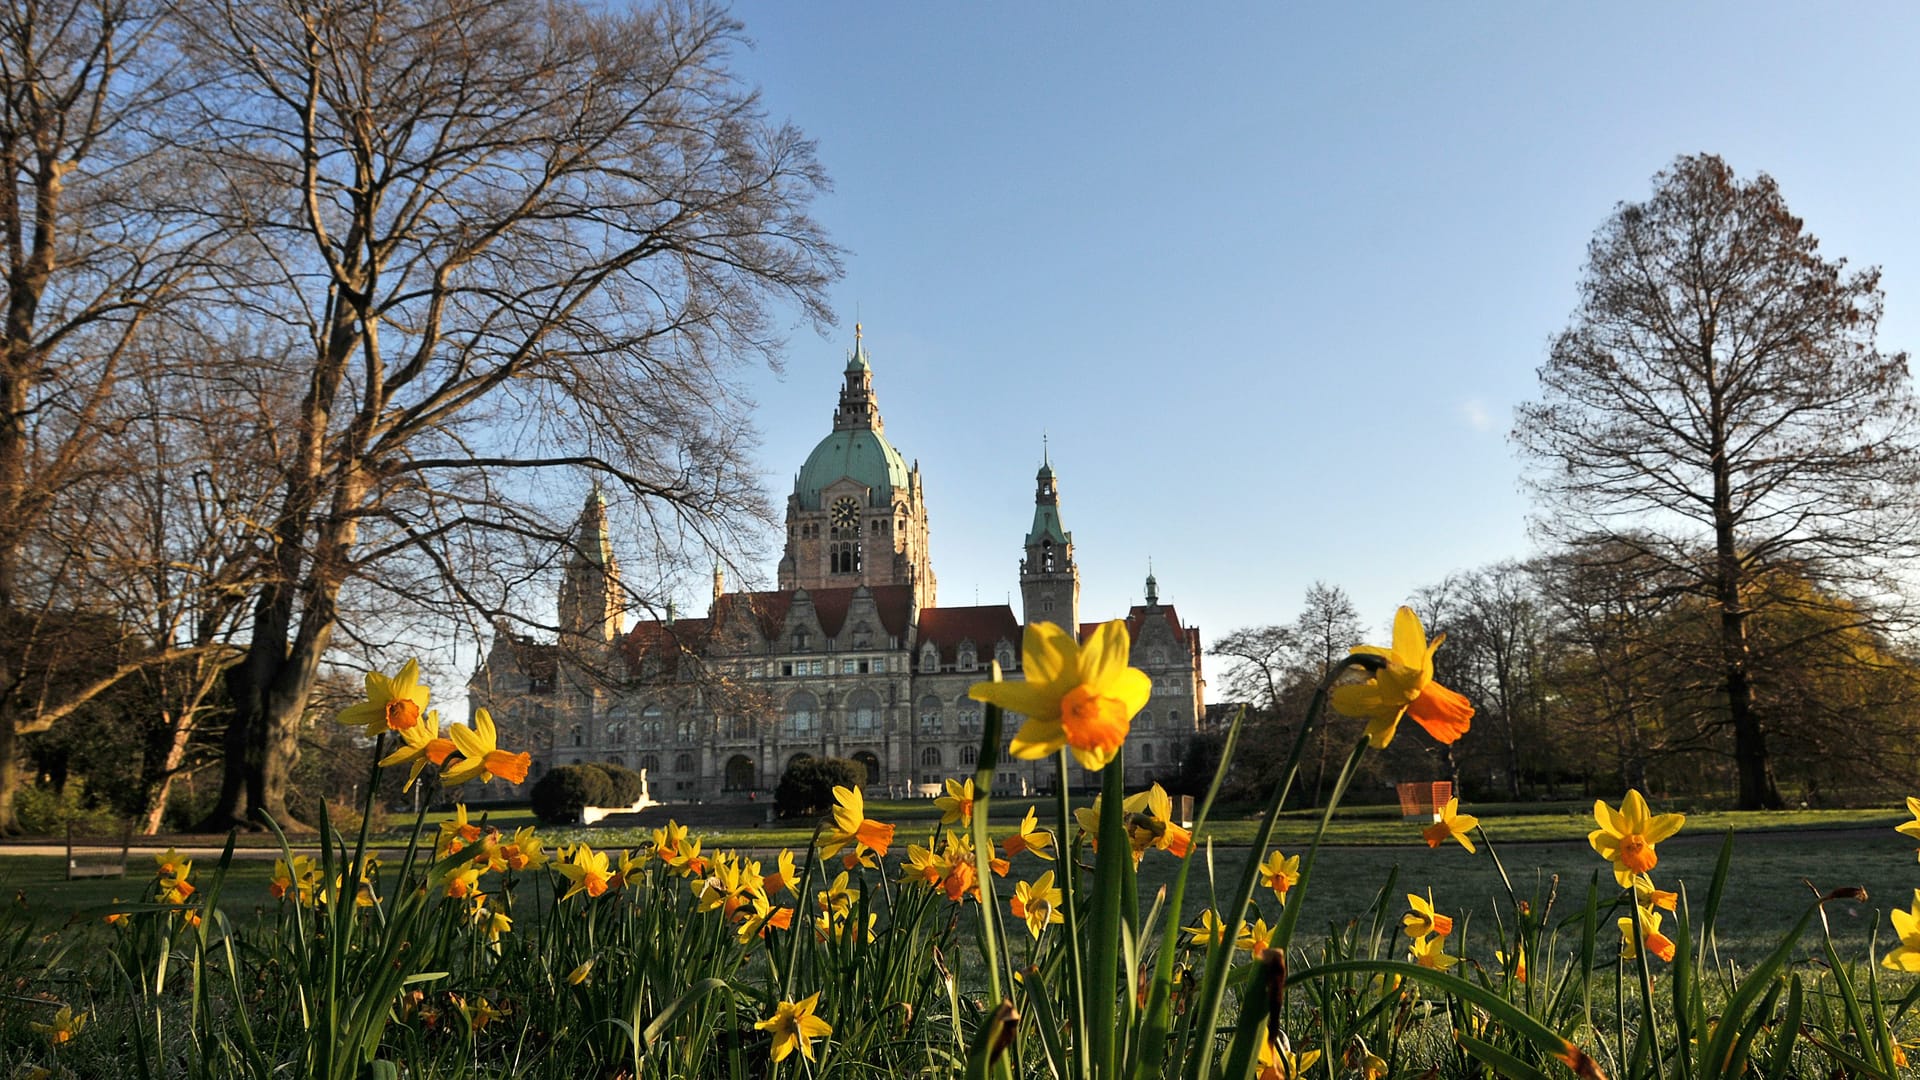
1153 586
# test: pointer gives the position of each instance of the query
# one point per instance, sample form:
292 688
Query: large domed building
850 656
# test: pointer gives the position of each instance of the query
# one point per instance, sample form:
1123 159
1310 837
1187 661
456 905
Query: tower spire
1153 587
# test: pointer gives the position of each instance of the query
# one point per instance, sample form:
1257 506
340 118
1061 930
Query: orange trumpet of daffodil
1080 697
956 806
1626 836
1403 686
1423 919
851 825
393 704
481 756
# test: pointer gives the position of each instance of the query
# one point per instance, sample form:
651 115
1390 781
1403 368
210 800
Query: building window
650 763
929 657
967 714
1146 752
969 754
799 641
1144 721
930 715
653 724
685 731
863 713
1003 654
1173 718
579 735
802 717
966 656
1046 556
848 667
683 763
930 757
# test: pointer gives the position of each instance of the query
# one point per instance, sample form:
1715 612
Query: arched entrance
740 773
872 764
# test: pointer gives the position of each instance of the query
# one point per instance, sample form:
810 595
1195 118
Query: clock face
846 513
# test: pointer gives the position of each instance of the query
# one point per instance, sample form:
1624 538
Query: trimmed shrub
559 795
806 788
626 783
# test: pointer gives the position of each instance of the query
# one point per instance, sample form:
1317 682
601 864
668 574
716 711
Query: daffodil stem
1111 862
983 848
1647 1026
1069 876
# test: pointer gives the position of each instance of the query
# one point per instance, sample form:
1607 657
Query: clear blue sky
1273 279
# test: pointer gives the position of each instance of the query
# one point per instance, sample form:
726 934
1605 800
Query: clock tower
857 515
1049 578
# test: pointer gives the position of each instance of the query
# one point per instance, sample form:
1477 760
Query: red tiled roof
892 603
665 643
985 626
1136 615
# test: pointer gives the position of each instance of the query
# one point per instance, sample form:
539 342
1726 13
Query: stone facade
851 656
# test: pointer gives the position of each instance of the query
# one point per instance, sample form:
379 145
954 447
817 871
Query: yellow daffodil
1280 873
1910 828
421 745
679 850
299 876
1030 839
1211 931
168 861
763 916
455 833
1150 823
833 926
1906 956
1277 1064
1423 920
851 825
784 876
63 1027
481 756
479 1014
587 872
462 883
524 852
1626 836
579 974
1083 698
1518 967
1452 824
1403 686
1649 896
837 897
1657 943
1255 939
393 704
963 872
1038 903
956 806
923 865
491 920
794 1027
1430 952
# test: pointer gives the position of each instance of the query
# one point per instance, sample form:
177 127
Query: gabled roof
893 604
984 626
1137 616
658 648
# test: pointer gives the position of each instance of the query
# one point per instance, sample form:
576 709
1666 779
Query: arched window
1173 718
930 757
929 657
743 727
1157 657
1003 654
966 656
579 735
863 712
683 764
740 773
966 713
802 718
684 731
617 760
619 724
1046 556
969 754
650 763
930 719
1146 752
1143 722
653 724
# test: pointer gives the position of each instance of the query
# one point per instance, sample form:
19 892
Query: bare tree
506 240
95 246
1719 405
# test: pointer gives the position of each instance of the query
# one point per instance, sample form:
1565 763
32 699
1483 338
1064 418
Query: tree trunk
160 776
9 773
1757 791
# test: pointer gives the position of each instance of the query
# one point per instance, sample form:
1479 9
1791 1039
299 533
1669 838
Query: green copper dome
863 455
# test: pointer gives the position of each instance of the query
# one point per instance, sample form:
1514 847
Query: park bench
97 856
1424 800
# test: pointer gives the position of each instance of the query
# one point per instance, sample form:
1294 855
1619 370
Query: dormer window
929 657
799 641
967 658
1003 653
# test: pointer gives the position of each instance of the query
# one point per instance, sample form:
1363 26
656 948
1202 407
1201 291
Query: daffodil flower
956 806
1911 828
1430 952
1277 1064
1906 956
1209 933
1038 903
1423 919
1626 836
393 704
1255 939
1517 967
1030 839
1452 824
481 756
1280 873
851 825
1657 943
421 745
63 1027
1403 686
1082 698
587 872
794 1027
784 875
